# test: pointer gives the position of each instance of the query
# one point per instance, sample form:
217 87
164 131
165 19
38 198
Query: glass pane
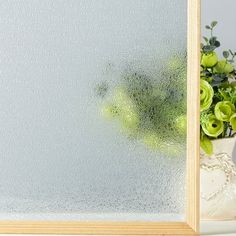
93 109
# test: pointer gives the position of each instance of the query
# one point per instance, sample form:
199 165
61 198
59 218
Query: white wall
222 11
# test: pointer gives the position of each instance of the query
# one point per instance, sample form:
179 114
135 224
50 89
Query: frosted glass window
93 109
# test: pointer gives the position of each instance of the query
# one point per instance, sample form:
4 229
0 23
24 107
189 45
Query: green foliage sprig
217 92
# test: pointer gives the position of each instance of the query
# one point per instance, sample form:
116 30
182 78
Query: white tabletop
218 228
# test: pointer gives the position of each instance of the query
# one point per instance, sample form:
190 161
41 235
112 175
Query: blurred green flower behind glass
151 110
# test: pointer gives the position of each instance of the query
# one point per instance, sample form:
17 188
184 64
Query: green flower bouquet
217 92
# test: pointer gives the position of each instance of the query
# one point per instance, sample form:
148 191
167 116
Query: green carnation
233 121
223 67
224 110
206 95
212 126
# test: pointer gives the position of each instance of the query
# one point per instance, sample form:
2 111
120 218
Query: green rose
223 67
211 126
209 59
206 95
233 121
224 110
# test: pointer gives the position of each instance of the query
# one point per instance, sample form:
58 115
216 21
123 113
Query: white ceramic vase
218 181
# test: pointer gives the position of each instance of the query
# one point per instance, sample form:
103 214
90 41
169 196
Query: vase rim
227 138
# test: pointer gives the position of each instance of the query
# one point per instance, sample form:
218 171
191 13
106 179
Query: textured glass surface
92 109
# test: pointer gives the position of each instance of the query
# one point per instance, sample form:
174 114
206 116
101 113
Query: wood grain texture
193 112
191 226
97 228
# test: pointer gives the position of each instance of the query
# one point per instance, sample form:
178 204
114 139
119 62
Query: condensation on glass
93 109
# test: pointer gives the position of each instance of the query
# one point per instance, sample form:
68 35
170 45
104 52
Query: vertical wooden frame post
193 113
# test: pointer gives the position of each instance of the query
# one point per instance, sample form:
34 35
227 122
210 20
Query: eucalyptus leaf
216 84
231 52
208 48
206 73
208 27
217 77
217 44
206 39
213 24
212 41
225 54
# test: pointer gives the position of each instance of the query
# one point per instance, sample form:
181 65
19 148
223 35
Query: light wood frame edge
97 228
191 226
193 113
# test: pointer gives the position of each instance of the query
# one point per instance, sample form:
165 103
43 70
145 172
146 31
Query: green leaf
212 41
217 44
206 145
206 39
213 24
217 77
225 54
231 52
208 48
208 27
233 121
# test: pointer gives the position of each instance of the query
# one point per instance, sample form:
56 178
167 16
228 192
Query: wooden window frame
191 226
